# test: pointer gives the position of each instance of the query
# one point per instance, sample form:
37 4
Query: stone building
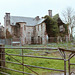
1 31
29 30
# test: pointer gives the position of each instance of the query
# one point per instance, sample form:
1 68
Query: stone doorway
17 31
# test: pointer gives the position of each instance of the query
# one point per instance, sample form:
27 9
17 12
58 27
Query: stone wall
27 34
40 34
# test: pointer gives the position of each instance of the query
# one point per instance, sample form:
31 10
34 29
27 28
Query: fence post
64 63
69 66
2 56
23 61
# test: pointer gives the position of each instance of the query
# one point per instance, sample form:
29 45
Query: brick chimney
7 19
8 16
50 13
37 18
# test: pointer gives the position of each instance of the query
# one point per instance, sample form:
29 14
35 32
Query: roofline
23 17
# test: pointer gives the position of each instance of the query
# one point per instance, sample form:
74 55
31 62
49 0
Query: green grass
49 63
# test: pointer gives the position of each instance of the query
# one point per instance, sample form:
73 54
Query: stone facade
40 33
1 32
29 30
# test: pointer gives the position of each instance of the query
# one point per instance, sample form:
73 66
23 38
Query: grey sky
33 8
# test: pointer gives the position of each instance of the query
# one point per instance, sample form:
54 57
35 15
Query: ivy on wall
8 35
51 27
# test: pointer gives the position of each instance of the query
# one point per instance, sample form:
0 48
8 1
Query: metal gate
4 52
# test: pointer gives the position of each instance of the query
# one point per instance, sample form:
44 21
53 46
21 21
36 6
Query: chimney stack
37 18
7 19
8 16
50 13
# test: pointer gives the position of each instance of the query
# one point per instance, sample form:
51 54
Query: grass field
49 63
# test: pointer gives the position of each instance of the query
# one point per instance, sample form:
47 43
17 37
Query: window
32 40
38 27
0 29
24 27
25 39
35 28
61 28
41 27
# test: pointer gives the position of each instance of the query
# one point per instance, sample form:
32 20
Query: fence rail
61 51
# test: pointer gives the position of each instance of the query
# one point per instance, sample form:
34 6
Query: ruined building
2 32
29 30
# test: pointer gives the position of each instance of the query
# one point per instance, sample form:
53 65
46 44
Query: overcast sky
33 8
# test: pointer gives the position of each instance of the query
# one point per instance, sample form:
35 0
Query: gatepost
2 55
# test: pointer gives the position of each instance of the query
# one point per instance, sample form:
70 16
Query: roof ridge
22 17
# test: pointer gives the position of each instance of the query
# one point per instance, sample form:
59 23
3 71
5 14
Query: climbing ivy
51 27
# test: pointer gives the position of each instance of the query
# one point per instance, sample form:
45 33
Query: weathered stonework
29 30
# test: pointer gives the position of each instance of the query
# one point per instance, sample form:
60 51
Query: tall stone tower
6 22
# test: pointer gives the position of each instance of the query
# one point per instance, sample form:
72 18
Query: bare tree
69 18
